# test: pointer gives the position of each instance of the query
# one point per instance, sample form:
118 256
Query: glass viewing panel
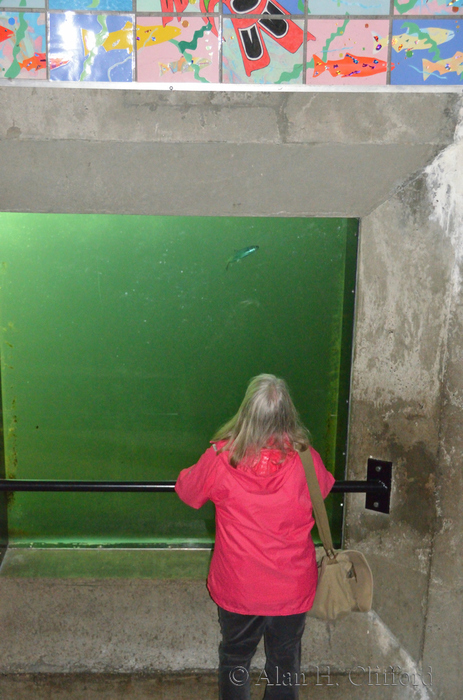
127 340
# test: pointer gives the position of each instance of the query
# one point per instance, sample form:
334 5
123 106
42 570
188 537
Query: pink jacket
264 557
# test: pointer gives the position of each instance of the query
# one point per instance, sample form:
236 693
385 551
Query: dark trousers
240 636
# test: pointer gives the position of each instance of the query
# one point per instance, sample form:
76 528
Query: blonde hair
267 417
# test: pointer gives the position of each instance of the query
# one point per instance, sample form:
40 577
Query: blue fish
242 253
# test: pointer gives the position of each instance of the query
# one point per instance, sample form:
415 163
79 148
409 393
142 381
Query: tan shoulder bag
345 581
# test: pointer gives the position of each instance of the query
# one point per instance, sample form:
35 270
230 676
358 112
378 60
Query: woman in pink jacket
263 573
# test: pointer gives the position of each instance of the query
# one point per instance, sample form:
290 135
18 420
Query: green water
125 342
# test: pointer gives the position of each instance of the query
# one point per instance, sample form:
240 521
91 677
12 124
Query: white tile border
221 87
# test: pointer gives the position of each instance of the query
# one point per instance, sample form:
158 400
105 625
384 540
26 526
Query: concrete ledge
221 117
154 626
136 152
171 179
106 563
56 686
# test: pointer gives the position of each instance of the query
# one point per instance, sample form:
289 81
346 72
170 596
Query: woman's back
263 561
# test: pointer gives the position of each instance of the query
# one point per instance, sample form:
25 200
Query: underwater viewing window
127 340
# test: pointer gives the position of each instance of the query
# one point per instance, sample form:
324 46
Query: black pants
240 636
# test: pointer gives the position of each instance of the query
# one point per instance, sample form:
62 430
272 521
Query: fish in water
5 33
35 62
242 253
446 65
250 302
183 66
350 66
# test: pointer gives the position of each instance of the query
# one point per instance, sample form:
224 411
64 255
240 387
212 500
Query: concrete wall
396 396
391 160
443 640
254 154
406 407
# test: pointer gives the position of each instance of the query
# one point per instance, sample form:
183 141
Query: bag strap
318 504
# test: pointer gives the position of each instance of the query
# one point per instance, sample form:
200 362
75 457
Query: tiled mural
297 42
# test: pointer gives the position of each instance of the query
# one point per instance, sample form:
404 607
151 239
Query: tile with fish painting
347 51
92 5
261 50
182 50
91 47
428 7
427 52
22 45
351 7
178 7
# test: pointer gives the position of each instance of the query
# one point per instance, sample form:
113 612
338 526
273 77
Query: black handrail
377 487
372 486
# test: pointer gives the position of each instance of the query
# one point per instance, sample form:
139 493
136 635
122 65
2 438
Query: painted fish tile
182 50
427 52
181 41
93 5
91 47
347 51
262 50
22 45
351 7
428 7
179 7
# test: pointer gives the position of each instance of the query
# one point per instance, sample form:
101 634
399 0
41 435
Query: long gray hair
267 417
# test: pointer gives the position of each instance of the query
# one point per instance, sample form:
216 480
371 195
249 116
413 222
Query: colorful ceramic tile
351 7
94 5
178 7
22 45
262 50
185 50
23 4
91 47
428 7
427 52
263 7
347 52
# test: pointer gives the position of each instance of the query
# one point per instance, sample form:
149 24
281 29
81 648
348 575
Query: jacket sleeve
325 478
194 484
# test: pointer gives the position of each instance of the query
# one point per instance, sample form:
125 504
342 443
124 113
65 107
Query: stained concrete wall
178 153
443 644
407 408
391 160
396 398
